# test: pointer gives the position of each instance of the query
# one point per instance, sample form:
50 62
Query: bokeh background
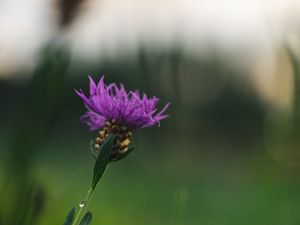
229 152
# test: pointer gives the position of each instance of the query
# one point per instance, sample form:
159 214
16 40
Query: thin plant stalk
99 169
83 206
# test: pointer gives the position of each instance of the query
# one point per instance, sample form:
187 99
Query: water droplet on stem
81 204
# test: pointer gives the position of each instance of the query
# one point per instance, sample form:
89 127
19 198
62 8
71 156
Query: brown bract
122 140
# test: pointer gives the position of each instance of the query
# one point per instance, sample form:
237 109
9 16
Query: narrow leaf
87 219
122 156
70 217
102 160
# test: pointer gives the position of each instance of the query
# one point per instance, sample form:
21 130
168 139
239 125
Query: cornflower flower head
113 110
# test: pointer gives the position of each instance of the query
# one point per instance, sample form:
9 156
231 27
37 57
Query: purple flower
108 103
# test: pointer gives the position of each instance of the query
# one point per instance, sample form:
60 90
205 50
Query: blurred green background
228 153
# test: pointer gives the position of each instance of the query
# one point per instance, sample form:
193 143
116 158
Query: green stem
84 206
99 169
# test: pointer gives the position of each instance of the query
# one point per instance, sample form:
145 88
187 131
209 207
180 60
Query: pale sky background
241 28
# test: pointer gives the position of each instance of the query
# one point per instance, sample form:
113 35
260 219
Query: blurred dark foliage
43 101
68 9
22 201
